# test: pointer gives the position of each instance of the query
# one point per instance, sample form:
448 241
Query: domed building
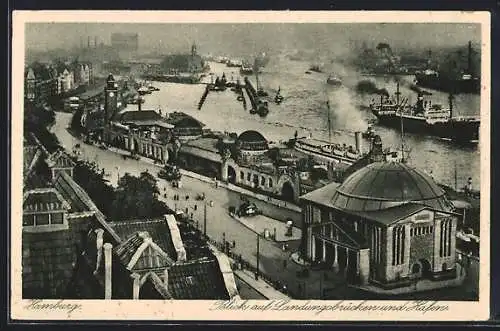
387 227
252 142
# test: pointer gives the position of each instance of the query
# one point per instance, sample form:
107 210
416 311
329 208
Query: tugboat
425 117
262 108
333 80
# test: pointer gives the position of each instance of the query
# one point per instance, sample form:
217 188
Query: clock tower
110 98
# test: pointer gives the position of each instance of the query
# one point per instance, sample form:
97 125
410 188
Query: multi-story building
125 41
40 82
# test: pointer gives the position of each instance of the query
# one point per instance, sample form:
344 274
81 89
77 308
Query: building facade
40 82
386 226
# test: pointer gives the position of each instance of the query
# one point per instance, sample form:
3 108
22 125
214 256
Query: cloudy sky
231 38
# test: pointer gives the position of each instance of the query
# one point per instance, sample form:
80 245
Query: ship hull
448 85
461 131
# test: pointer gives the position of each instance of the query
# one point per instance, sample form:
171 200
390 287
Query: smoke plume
369 87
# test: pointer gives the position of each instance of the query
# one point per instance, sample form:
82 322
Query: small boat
308 72
240 98
351 153
334 80
262 93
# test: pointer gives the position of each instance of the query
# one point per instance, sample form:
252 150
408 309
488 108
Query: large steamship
426 117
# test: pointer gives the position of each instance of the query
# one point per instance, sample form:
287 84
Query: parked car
248 209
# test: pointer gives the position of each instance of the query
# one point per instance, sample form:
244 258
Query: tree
37 119
91 179
137 197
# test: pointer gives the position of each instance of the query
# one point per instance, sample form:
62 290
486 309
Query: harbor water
304 110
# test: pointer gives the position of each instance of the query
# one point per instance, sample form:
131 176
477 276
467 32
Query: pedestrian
284 264
195 207
165 195
187 197
192 216
234 244
283 246
187 210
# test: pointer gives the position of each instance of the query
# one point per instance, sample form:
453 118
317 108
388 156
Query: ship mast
401 120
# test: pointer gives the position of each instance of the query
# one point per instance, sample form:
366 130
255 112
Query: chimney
139 104
95 42
99 242
107 265
165 278
359 142
136 286
88 42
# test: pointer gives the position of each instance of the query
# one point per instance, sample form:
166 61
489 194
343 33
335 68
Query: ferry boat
246 69
426 117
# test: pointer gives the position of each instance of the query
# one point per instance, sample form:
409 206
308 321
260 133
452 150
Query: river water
304 110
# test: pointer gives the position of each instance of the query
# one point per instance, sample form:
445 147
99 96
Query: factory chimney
95 42
88 42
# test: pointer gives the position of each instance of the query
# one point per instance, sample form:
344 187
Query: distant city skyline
250 37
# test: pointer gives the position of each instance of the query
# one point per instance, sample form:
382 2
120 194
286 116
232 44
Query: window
262 181
270 182
249 176
28 220
242 175
56 218
42 219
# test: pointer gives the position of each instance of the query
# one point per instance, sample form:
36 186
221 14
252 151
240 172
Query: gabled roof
40 200
157 229
139 253
60 159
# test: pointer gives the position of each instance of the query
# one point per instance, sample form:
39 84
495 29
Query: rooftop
157 229
379 186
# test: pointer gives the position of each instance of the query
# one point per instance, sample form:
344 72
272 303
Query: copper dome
383 185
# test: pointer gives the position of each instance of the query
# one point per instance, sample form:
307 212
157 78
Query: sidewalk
260 223
259 285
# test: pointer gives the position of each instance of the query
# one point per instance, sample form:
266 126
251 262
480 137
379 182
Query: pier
252 93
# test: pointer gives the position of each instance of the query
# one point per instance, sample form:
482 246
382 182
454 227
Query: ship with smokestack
338 153
463 82
425 117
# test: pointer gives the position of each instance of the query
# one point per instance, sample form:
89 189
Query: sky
248 37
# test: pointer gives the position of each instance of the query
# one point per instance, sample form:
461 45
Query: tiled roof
60 159
40 200
200 279
157 228
47 262
140 253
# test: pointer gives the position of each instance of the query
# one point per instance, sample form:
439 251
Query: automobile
248 209
170 173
